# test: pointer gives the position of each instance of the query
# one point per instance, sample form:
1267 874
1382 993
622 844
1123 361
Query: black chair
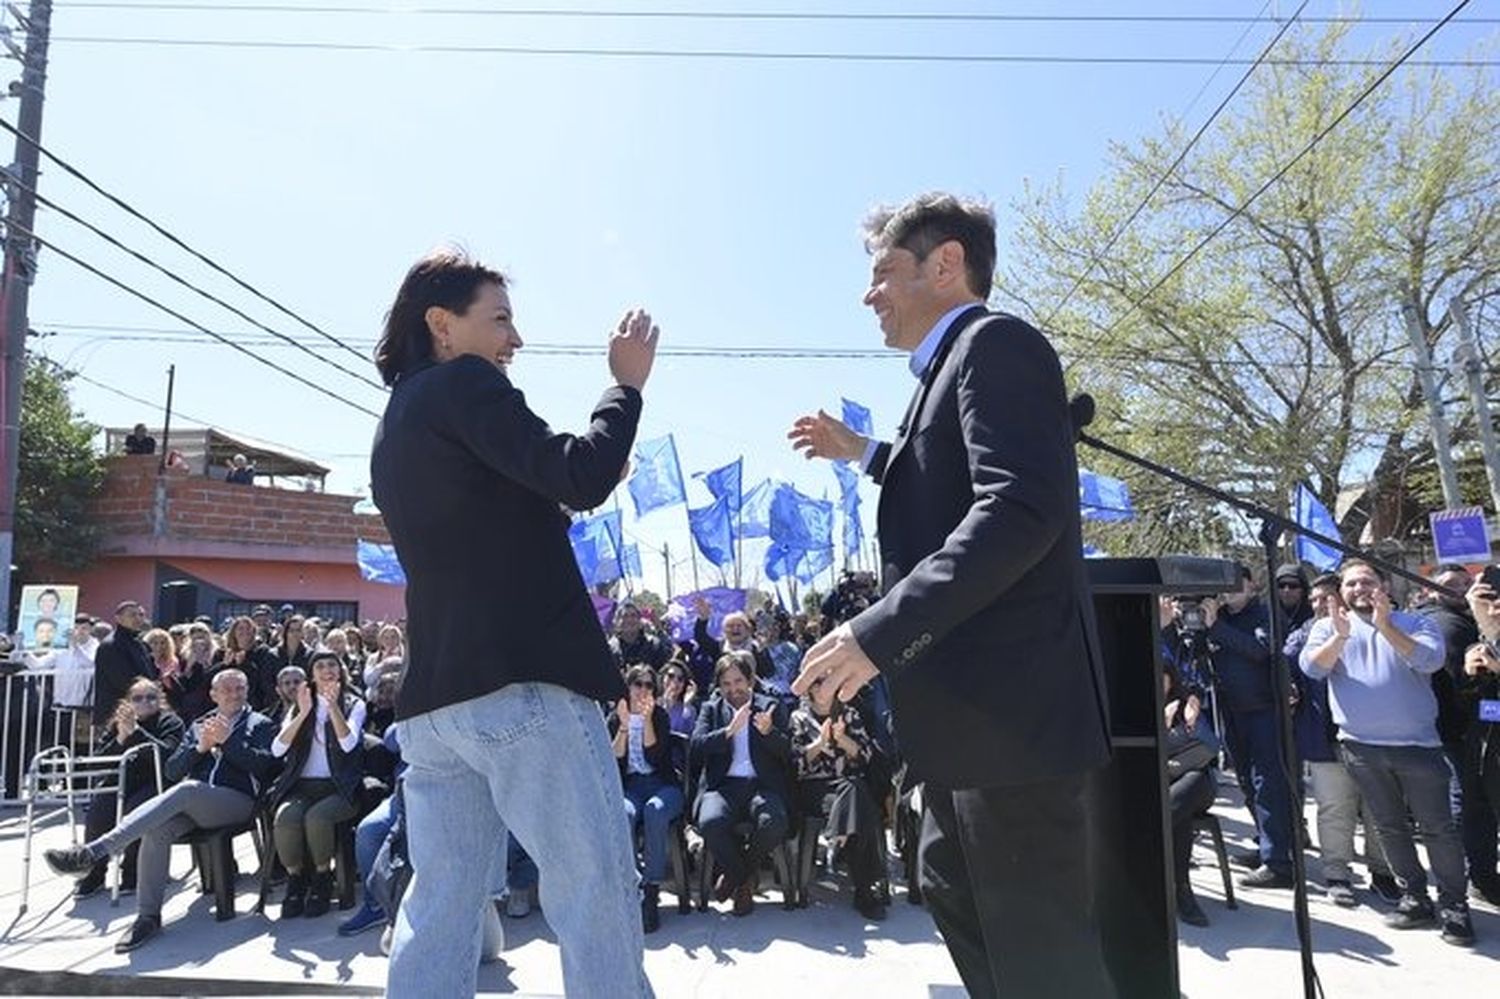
213 854
1209 822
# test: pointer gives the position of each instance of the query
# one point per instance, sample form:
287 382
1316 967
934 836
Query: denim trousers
1339 809
1402 783
533 757
652 802
1255 745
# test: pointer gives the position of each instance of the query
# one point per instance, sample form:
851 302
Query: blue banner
682 613
854 533
800 521
713 532
858 419
755 513
726 484
598 543
610 569
1103 498
1310 513
378 563
656 480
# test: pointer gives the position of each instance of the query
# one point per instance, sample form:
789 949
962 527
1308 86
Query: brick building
184 542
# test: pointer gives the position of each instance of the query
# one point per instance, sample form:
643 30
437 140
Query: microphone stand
1272 526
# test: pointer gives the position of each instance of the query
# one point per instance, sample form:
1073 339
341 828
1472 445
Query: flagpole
692 544
739 526
666 564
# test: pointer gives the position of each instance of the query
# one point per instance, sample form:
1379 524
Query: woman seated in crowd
163 652
187 689
1191 749
679 696
140 718
642 738
292 650
319 786
244 651
832 753
390 645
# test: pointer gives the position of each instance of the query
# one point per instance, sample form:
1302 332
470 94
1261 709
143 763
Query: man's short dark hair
740 660
930 220
1447 567
1326 579
1351 563
449 279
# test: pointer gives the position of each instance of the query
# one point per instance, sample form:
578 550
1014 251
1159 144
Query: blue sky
722 194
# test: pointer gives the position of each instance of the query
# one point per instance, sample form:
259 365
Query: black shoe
70 860
1386 887
744 899
1266 877
650 908
143 929
1457 929
319 894
870 905
295 900
1412 912
91 882
1248 859
1188 909
1341 893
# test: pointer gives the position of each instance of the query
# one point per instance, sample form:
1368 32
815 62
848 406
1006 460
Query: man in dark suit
742 741
985 633
121 659
506 661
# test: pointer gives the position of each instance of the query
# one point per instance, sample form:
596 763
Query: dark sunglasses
144 698
643 685
1290 586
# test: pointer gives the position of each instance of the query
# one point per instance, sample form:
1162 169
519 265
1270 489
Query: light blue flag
1103 498
585 551
657 478
610 569
799 521
378 563
598 542
1310 513
858 419
712 531
811 563
726 484
854 534
755 513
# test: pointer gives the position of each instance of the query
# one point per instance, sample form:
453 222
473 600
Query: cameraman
1237 627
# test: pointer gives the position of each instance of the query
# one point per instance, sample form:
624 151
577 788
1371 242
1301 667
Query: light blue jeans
533 757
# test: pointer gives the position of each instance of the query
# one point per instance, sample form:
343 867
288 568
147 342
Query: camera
1190 617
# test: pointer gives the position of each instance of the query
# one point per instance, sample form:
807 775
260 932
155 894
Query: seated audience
641 734
679 696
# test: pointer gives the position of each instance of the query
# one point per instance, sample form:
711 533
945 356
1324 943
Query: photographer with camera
1235 628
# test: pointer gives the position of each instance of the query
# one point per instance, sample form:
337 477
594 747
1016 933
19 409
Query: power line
85 265
170 237
1240 210
959 17
742 54
1167 174
184 282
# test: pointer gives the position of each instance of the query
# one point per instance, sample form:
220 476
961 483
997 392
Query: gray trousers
157 824
1339 808
1402 783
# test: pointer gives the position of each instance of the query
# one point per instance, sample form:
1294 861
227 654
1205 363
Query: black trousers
741 799
1006 875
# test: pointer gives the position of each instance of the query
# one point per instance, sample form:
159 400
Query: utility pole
666 566
20 270
1470 365
1442 449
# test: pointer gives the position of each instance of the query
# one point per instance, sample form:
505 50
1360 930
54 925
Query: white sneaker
385 938
494 935
518 905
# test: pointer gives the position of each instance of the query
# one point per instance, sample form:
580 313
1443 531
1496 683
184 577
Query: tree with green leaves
1278 354
60 474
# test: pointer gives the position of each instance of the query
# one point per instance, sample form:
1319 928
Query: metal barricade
32 720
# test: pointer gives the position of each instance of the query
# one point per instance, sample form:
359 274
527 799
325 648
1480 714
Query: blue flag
610 569
1103 498
725 484
657 479
1313 515
800 521
854 535
598 543
378 563
712 531
858 419
755 513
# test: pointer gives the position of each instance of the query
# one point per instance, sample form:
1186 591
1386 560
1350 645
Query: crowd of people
1393 714
295 715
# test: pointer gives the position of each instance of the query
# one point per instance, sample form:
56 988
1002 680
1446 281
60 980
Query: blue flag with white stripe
1310 513
656 480
378 563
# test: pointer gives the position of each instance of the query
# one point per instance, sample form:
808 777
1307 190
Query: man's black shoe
744 899
1386 887
650 908
1248 859
1457 929
1188 909
295 899
1412 912
143 929
1266 877
70 860
870 905
90 882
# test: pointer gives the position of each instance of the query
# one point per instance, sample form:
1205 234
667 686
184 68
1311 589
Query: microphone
1081 411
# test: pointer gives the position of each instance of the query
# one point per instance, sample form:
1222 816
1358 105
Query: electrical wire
135 213
137 293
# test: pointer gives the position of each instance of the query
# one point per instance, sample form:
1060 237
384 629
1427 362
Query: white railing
31 721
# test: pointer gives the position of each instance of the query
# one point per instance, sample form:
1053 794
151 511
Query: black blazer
471 484
986 631
121 659
713 749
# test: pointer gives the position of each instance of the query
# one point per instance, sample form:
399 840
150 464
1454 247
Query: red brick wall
200 509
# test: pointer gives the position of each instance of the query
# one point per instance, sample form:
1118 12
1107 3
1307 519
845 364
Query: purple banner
605 608
682 613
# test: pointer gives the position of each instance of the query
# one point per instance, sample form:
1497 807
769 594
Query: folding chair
62 783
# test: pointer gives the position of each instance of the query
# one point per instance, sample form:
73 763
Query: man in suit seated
741 738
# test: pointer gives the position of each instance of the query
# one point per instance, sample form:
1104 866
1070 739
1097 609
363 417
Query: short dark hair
740 660
641 671
1326 579
928 221
449 279
1447 567
1350 563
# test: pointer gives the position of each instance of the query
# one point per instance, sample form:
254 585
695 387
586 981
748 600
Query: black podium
1128 799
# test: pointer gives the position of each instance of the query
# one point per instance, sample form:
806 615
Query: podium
1129 807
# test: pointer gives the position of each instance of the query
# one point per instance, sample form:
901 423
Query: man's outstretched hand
632 349
840 663
822 436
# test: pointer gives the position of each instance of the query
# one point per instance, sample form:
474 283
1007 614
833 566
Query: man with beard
1379 663
632 643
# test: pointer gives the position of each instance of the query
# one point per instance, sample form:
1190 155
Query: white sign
1461 535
